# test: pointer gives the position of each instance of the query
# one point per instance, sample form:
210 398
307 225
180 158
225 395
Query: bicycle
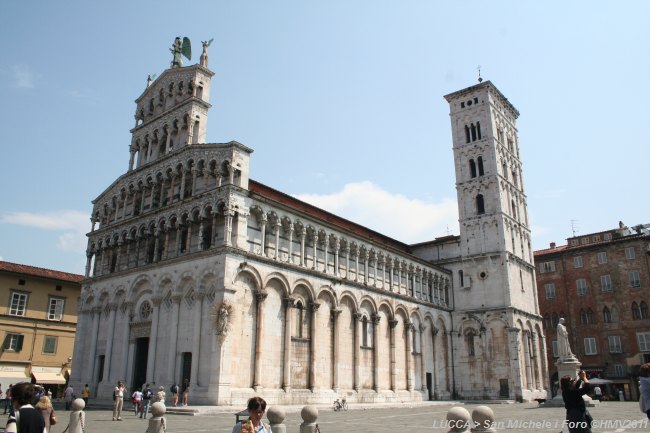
338 405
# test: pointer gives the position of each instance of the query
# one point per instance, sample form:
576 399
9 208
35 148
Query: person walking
644 388
174 391
185 391
137 401
69 396
8 398
85 394
598 393
147 395
118 401
45 406
26 419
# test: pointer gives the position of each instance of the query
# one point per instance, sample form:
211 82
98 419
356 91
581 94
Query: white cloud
23 77
74 225
402 218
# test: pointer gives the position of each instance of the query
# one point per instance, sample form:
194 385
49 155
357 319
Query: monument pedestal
569 366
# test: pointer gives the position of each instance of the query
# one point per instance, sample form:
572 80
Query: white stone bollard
459 420
276 416
157 423
483 417
309 416
77 417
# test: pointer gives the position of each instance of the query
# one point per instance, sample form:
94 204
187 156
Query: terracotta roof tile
40 272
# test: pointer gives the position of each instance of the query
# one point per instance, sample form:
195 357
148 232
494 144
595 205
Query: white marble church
198 272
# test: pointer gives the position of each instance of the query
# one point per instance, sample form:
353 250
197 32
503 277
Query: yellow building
38 321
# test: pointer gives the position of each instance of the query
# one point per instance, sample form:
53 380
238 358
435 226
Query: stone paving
612 417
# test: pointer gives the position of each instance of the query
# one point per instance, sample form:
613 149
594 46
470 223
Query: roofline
35 271
490 86
563 248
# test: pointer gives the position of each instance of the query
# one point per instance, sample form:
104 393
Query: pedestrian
185 391
644 388
8 398
49 393
621 395
118 401
137 401
85 394
598 393
45 406
160 395
578 419
174 391
25 419
69 396
2 396
147 395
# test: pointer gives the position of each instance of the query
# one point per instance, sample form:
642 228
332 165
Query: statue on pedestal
181 48
563 346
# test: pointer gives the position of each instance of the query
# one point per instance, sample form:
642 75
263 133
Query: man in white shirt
118 401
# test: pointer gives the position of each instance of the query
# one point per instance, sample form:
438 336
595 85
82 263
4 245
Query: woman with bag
45 406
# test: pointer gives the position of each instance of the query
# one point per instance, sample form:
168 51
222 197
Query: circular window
469 102
482 275
145 310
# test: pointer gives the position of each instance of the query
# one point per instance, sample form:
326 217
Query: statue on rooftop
204 55
181 48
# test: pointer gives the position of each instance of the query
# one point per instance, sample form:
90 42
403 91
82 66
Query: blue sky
342 102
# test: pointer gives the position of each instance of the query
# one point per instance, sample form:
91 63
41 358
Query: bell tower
493 215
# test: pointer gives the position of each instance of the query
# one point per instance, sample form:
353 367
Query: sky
342 102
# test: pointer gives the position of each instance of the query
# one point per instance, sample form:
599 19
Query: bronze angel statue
181 48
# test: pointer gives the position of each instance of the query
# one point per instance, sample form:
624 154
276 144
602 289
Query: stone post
309 416
276 416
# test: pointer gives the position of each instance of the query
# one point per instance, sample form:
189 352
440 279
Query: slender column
451 385
286 367
409 356
96 312
214 229
434 381
542 357
101 260
131 159
173 339
326 246
124 201
315 263
172 177
366 270
393 371
347 261
337 247
183 179
313 306
126 308
127 262
374 263
263 230
357 351
515 355
423 374
228 238
109 342
165 254
143 194
277 240
529 370
201 230
156 244
290 259
129 361
196 343
535 365
376 349
334 315
303 237
161 201
153 340
179 238
383 272
194 174
188 241
356 265
257 379
390 274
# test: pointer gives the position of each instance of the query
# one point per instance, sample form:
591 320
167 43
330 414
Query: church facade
198 273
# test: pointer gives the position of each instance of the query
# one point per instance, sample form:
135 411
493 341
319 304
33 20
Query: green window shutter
19 343
6 342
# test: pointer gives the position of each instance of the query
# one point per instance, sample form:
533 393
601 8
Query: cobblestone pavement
617 417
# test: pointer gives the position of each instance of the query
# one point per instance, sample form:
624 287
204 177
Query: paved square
608 417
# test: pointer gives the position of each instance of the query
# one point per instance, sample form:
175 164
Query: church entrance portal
140 363
186 371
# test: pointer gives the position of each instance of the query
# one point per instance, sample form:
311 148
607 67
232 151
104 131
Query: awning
12 377
49 378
